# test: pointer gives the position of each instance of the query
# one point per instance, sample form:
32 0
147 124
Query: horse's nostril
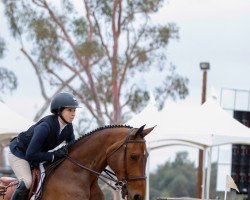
137 197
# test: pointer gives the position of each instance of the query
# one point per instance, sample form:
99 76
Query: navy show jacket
33 145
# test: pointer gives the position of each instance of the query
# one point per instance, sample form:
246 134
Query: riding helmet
63 100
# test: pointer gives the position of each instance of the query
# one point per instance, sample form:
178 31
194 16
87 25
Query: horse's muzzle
137 197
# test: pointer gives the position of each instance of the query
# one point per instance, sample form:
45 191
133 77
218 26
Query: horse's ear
139 131
147 131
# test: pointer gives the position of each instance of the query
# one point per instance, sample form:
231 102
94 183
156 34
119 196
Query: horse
121 147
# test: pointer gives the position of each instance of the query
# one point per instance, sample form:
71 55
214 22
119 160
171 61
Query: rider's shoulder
48 122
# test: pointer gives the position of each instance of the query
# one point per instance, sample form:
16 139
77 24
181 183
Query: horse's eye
134 157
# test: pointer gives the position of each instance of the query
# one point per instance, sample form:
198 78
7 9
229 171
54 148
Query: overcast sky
214 31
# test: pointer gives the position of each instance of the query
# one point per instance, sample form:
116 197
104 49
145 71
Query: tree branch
92 85
43 91
84 64
39 3
68 38
128 61
73 69
119 17
102 40
83 100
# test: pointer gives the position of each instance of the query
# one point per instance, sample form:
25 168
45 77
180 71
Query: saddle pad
38 191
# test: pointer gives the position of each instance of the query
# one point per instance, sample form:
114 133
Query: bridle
124 145
119 184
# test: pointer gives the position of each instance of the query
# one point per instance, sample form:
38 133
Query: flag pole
226 186
225 196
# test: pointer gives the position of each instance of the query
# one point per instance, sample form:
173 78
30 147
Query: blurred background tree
8 80
100 50
179 178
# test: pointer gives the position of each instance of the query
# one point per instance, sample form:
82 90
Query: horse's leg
96 192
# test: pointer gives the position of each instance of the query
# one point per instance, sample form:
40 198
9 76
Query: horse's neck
91 151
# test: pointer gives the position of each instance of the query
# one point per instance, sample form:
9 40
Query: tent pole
208 174
203 172
148 173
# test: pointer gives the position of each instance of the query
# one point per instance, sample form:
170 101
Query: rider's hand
60 153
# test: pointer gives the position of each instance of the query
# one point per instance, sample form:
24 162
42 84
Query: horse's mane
96 131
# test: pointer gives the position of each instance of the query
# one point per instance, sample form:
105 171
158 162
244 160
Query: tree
99 53
8 80
213 181
174 179
179 179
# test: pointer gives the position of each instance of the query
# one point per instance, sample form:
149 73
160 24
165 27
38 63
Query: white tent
11 123
202 126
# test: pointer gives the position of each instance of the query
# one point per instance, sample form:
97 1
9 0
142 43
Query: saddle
39 176
9 184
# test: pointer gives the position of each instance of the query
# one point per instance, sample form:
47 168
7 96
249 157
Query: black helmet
63 100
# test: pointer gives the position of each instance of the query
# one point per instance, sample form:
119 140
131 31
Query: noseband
119 184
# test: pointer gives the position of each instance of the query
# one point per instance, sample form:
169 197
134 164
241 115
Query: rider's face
69 114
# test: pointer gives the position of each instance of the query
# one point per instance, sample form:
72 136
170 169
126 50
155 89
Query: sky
214 31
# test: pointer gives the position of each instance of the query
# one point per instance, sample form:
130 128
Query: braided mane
97 130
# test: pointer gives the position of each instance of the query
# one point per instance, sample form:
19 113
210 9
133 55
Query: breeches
21 168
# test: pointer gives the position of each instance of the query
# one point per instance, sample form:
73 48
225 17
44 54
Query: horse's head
127 158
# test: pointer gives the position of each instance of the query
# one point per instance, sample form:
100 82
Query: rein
118 184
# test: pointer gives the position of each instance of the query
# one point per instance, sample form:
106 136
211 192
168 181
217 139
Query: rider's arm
34 151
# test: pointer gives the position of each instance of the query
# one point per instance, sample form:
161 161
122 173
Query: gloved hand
60 153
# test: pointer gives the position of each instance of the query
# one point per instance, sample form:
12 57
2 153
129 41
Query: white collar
62 124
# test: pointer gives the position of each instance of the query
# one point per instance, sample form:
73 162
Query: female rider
32 147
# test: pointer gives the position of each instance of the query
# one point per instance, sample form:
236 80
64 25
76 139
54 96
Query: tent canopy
204 125
11 122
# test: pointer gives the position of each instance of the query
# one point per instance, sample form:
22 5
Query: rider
31 147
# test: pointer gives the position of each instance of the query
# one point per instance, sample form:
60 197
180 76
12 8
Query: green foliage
43 30
8 80
179 179
173 86
104 7
213 180
139 96
90 49
68 6
9 12
176 179
2 47
145 6
79 27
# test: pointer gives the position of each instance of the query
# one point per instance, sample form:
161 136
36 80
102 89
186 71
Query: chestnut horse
120 147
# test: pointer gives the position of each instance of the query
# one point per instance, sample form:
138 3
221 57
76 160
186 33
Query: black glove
60 153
